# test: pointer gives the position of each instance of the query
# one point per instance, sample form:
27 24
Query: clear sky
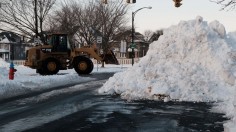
163 14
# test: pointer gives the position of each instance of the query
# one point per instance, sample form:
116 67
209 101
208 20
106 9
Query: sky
163 14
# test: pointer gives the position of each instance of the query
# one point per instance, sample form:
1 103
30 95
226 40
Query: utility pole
36 18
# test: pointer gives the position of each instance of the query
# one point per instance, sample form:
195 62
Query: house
156 35
4 48
140 47
11 47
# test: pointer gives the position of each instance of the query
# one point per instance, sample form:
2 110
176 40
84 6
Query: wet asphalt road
115 115
80 108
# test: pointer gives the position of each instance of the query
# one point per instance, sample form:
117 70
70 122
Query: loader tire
40 71
83 65
50 66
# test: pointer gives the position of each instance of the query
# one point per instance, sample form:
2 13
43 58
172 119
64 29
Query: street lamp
132 35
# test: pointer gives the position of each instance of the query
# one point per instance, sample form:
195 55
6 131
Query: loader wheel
40 71
50 66
83 65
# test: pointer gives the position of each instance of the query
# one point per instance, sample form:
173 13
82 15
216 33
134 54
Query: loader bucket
110 58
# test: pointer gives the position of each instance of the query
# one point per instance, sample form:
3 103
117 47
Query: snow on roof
5 40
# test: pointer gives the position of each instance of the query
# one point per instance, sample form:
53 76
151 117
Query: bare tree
91 19
26 16
88 24
147 35
155 36
65 20
226 4
85 21
76 20
112 19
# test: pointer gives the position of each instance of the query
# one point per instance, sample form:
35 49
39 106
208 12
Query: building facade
124 39
11 47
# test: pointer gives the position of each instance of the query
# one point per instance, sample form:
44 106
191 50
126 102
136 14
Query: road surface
80 108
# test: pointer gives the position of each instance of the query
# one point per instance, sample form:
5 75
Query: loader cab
59 42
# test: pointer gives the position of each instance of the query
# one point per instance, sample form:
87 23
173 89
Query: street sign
133 45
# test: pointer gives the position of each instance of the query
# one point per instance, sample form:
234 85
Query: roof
12 37
128 33
4 40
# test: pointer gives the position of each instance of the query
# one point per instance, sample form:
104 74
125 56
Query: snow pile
27 81
232 39
4 68
192 61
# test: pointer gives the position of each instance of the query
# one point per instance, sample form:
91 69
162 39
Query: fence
128 61
19 62
121 61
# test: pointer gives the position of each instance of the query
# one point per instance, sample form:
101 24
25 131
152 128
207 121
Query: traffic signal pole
127 1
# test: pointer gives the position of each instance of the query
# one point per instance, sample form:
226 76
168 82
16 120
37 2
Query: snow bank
3 69
27 81
193 61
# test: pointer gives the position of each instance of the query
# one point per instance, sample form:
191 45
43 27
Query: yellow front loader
57 54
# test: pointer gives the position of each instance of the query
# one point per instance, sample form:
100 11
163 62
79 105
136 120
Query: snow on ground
193 61
27 80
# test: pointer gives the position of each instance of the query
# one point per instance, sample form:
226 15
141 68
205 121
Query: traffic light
177 3
104 1
128 1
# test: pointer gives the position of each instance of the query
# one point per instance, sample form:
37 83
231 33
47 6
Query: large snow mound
192 61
